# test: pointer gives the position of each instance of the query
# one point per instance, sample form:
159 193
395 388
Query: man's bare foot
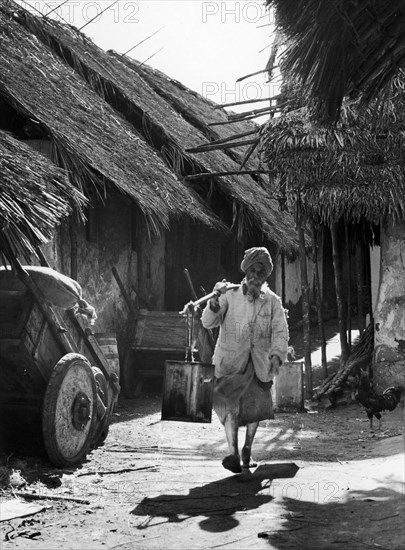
246 459
232 463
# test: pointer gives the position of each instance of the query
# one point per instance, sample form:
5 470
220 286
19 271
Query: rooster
375 403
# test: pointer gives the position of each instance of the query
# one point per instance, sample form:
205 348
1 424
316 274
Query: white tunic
248 327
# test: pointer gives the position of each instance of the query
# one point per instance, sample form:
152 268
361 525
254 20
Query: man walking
251 346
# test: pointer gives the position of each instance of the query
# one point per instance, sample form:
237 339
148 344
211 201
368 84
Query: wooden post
339 293
359 281
305 312
283 278
319 302
349 287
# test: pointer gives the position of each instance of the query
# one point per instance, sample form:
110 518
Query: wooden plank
161 330
140 329
161 348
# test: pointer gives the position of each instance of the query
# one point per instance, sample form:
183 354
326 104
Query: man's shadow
218 500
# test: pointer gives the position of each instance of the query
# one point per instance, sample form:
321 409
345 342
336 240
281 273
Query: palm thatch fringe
347 171
344 48
34 196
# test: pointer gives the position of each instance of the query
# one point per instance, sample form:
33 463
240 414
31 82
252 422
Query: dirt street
322 481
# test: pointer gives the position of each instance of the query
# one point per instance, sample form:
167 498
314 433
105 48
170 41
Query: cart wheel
69 410
131 383
103 423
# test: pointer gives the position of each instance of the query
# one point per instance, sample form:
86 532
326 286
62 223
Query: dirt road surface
322 481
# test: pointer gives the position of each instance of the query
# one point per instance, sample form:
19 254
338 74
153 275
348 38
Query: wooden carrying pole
213 294
193 305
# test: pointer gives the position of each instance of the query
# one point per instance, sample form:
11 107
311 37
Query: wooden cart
56 386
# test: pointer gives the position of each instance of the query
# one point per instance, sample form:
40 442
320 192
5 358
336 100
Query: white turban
257 254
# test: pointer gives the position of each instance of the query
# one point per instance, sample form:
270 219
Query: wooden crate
160 335
161 331
187 391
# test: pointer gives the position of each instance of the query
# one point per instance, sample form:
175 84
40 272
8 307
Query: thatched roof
164 125
196 109
90 138
347 171
34 195
343 48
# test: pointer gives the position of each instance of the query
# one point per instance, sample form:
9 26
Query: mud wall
96 250
389 313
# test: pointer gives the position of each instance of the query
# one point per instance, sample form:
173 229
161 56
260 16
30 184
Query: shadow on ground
218 501
366 519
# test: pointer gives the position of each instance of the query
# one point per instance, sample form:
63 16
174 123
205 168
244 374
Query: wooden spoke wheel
130 381
69 410
103 421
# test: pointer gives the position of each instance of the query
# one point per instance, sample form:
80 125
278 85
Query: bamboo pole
142 41
359 282
283 277
247 101
249 153
242 119
230 138
215 147
319 302
339 293
230 173
253 112
305 311
349 288
265 70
